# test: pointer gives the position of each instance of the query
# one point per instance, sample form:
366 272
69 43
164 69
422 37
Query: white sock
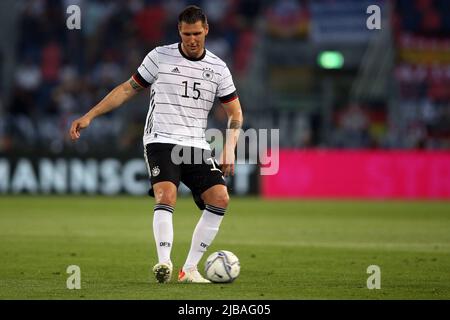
204 233
163 231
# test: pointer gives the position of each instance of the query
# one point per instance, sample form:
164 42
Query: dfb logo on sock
164 244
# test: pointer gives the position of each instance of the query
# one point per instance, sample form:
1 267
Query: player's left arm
235 120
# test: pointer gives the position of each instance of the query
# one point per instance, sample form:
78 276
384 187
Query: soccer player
184 79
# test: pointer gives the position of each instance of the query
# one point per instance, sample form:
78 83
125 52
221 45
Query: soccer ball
222 266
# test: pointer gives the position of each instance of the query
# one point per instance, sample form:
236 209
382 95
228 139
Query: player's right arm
118 96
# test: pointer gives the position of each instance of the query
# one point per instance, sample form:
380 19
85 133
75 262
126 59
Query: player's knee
164 196
220 199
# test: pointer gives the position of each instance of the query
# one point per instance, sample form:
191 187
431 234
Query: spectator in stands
287 18
352 131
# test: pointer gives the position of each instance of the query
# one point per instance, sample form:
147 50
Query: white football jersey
182 93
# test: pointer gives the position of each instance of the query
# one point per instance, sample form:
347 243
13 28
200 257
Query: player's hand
226 162
78 125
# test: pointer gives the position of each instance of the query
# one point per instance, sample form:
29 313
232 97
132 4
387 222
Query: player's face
193 38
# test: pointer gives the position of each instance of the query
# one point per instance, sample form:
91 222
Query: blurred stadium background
311 68
363 114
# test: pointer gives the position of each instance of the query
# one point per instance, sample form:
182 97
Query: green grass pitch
287 249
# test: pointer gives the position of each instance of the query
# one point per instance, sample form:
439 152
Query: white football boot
163 272
191 276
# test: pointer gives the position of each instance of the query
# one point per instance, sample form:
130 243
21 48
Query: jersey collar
189 58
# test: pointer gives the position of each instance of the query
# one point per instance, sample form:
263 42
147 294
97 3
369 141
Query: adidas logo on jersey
175 70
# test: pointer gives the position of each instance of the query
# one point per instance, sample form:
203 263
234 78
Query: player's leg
216 201
165 198
211 195
165 180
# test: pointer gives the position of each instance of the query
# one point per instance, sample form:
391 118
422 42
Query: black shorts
199 172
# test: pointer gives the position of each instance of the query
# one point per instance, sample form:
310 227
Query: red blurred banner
360 174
